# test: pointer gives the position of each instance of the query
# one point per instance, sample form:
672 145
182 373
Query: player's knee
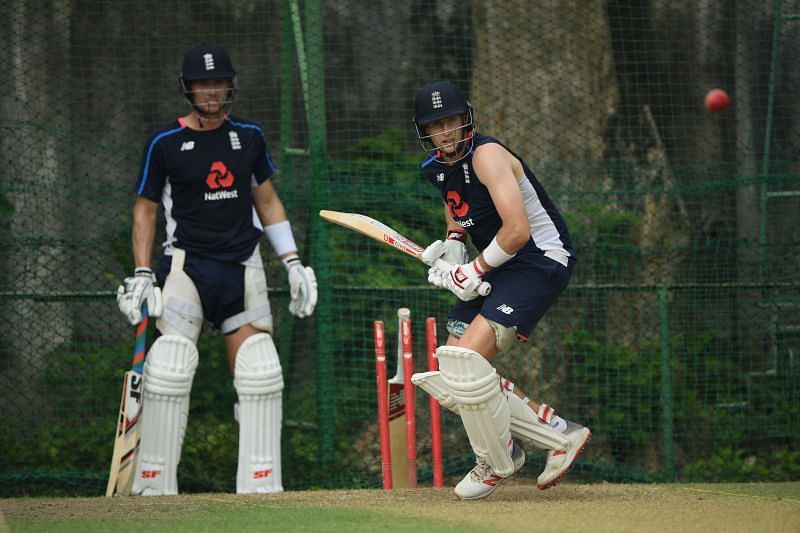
170 366
257 370
504 336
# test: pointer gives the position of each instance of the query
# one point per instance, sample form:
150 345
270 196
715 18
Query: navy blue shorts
219 284
522 291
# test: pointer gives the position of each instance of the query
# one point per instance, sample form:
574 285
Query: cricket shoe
482 481
558 461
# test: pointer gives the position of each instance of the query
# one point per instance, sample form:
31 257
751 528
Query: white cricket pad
475 387
168 374
259 383
530 430
525 425
432 383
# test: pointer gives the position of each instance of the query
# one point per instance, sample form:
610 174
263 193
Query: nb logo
440 177
188 145
505 309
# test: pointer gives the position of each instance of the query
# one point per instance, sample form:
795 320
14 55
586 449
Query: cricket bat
397 411
126 442
383 233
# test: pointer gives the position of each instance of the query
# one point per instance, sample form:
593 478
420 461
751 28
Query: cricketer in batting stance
211 172
490 194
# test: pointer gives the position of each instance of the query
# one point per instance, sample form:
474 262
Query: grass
706 508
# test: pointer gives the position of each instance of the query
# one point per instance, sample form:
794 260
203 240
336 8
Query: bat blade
381 232
126 442
126 439
375 230
397 411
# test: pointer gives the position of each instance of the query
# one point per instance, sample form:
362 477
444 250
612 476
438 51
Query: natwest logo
219 176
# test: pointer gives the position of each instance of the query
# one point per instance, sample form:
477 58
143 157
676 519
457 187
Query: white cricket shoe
559 462
482 481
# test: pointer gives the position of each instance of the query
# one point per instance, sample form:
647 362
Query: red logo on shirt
219 176
458 207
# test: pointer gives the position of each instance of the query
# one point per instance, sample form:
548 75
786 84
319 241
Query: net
676 342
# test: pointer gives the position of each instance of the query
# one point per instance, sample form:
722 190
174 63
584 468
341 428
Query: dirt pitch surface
569 507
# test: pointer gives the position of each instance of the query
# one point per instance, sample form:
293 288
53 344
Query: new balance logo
436 100
505 309
188 145
440 177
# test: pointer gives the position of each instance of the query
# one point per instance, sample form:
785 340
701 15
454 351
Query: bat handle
483 289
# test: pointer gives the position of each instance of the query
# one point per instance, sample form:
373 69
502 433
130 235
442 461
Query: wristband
280 237
494 256
457 234
472 269
288 262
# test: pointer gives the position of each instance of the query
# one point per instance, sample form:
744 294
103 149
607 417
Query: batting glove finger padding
302 289
434 251
436 277
135 290
455 252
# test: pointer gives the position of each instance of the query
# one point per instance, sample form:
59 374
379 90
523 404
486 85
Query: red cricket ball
717 100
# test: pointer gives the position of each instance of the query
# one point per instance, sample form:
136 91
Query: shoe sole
558 478
494 488
482 496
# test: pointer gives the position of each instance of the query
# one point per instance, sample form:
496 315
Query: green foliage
625 383
604 237
738 465
6 208
72 430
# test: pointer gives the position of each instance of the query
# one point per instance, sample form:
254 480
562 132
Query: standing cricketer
211 173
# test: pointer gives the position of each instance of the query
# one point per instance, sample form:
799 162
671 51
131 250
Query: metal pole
667 392
773 67
314 77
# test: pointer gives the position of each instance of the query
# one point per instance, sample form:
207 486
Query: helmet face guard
437 101
426 141
207 62
227 103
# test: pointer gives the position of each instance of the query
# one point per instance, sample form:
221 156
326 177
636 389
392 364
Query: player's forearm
143 234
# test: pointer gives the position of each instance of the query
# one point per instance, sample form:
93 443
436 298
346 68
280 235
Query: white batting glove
455 249
136 290
465 280
302 287
432 256
440 256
